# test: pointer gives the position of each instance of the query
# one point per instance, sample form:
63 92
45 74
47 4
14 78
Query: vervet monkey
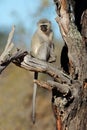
42 47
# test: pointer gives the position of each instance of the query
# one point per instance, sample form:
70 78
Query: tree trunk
73 113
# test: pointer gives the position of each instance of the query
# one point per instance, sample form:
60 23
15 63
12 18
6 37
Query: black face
44 28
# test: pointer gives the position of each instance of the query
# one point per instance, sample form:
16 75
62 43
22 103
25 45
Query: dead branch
62 88
8 56
6 53
16 56
23 59
43 84
34 64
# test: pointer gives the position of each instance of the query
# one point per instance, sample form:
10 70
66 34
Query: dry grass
16 101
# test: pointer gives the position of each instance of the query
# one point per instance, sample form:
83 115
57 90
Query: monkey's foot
52 59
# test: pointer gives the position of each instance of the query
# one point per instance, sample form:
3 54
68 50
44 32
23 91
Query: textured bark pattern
72 107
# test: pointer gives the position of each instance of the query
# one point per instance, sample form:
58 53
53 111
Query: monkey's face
44 25
43 28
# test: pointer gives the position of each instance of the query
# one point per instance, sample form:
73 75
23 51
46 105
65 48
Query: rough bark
73 115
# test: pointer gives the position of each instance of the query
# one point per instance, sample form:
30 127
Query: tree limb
6 53
33 64
62 88
23 59
8 56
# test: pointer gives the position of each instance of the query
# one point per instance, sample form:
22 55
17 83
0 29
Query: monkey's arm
52 57
51 36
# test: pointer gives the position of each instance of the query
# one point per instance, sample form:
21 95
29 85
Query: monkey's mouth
44 28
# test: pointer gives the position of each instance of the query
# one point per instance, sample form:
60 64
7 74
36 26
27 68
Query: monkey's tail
34 98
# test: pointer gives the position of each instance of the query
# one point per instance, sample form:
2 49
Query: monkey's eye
44 28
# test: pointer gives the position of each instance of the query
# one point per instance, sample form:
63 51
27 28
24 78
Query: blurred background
16 84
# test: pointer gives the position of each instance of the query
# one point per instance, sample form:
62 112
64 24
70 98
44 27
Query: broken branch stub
9 46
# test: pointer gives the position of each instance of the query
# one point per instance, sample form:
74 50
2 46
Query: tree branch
34 64
62 88
8 56
6 53
23 59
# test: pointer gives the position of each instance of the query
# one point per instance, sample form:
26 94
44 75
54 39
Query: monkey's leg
34 98
52 57
43 51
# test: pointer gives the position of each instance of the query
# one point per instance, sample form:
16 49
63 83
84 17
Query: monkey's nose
44 27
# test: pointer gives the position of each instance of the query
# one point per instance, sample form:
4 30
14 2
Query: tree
69 88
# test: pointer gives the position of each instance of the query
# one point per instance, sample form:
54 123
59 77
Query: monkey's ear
50 22
38 23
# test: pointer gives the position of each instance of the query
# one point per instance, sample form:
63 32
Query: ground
16 102
16 88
